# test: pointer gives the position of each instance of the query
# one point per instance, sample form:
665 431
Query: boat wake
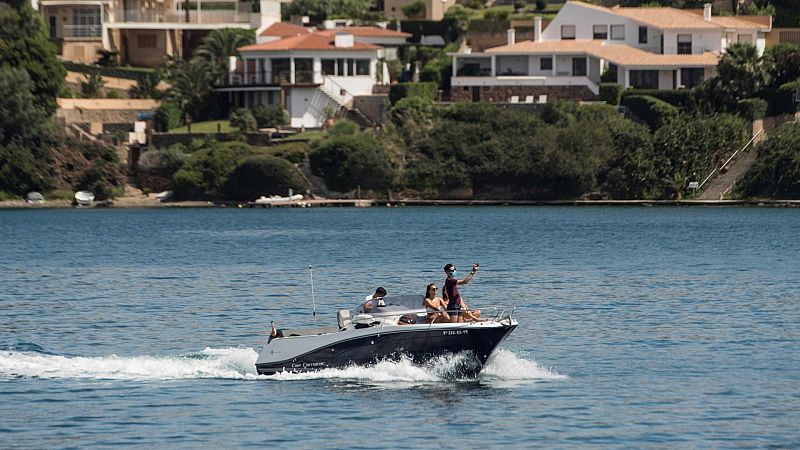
30 361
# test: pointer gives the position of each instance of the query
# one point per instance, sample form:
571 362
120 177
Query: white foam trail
239 363
507 365
233 363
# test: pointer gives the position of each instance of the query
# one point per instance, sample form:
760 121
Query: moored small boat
84 198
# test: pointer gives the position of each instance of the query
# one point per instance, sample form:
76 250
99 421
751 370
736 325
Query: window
644 79
146 40
86 22
546 64
579 67
691 77
618 32
643 35
280 70
329 67
684 44
362 67
600 32
303 70
745 39
340 67
568 32
52 27
351 67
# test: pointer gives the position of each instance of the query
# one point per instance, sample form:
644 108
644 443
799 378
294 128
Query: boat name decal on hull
454 332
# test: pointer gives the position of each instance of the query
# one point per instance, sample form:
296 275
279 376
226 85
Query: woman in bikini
434 306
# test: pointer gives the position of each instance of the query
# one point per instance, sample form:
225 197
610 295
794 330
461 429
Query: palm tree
147 86
191 85
740 70
92 86
220 45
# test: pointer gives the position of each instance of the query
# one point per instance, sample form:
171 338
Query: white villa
143 32
659 48
310 74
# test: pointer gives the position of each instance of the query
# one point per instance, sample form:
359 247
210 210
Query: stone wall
503 94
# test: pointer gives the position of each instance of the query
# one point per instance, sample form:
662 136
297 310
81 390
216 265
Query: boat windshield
399 302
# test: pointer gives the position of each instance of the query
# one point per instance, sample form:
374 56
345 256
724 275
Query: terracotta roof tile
367 32
620 54
683 19
314 41
285 29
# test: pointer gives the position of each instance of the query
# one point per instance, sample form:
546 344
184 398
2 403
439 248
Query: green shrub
779 101
343 127
117 72
263 175
752 108
188 184
112 93
414 10
271 116
243 120
349 161
541 5
107 58
650 109
294 152
611 93
163 162
403 90
168 116
680 98
776 171
609 76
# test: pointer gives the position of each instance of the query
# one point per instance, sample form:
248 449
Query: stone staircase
722 184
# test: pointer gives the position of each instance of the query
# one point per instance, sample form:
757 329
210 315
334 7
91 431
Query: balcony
82 31
265 78
238 13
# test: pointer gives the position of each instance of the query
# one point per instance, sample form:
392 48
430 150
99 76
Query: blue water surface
639 327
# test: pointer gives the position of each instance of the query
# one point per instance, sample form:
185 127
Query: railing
83 31
268 77
336 91
211 16
725 164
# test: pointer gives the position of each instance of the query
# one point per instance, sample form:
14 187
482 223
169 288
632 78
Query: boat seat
343 318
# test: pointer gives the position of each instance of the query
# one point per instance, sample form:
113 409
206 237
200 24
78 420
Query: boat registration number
454 332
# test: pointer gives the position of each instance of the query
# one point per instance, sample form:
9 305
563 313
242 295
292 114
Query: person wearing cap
374 300
458 310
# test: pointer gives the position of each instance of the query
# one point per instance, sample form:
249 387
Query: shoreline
152 203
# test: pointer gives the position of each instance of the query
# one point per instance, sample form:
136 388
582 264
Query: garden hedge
752 108
650 109
681 98
611 93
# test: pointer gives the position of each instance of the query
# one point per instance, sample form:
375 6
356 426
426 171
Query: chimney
537 28
343 40
511 37
707 12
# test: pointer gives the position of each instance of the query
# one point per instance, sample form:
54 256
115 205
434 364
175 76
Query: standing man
454 302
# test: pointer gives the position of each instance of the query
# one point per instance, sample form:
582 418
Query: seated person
374 300
434 306
469 315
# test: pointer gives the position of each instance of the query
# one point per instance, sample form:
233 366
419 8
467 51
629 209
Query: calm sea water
639 327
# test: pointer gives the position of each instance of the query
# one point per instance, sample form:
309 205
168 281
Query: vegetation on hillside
35 153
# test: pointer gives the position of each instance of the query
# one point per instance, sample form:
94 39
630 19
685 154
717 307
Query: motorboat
34 197
84 198
277 200
395 329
